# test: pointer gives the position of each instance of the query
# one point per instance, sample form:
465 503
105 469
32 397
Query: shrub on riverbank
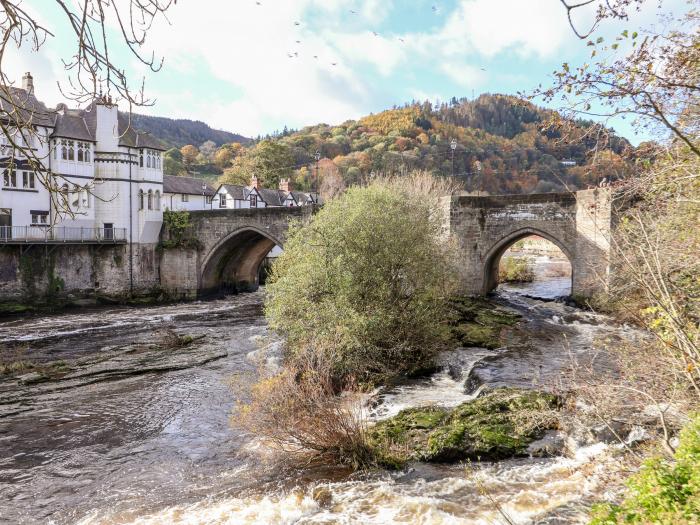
368 277
298 412
662 492
515 270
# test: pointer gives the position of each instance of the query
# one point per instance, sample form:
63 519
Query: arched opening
234 265
530 263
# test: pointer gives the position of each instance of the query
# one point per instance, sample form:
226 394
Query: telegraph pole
317 156
453 147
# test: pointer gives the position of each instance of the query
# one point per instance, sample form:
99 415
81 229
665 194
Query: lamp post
453 147
317 156
204 197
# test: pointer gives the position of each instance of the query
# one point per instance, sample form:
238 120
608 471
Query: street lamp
204 197
317 156
453 147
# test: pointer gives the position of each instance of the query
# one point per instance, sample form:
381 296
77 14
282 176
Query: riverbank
156 446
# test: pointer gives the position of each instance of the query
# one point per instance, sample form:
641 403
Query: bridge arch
493 256
233 263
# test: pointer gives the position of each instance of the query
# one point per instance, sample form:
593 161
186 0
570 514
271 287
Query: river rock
501 423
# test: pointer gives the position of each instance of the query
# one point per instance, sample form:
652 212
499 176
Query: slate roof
72 125
271 197
29 109
78 124
236 191
186 185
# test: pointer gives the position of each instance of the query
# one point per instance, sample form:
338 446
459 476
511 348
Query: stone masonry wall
40 274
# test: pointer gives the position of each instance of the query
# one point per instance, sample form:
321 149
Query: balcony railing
61 234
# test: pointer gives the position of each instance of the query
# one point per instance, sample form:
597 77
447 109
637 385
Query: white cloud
490 27
464 74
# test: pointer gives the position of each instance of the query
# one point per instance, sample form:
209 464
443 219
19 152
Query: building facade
232 196
96 175
187 194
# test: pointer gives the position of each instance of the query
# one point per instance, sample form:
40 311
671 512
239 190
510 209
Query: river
127 432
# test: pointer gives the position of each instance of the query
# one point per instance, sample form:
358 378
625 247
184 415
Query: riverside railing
61 234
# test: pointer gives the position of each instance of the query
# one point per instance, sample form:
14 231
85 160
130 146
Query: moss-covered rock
499 424
478 322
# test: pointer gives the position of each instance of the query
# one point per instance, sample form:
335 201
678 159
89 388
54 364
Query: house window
81 152
55 150
88 147
40 218
9 179
109 231
157 199
148 159
64 150
140 199
28 180
222 201
71 150
208 199
185 197
150 199
141 158
158 160
253 201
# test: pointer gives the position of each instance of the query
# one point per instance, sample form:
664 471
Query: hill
502 144
179 132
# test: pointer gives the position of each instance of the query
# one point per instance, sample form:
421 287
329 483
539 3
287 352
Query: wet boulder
499 424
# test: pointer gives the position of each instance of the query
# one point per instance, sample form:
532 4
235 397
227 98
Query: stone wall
40 274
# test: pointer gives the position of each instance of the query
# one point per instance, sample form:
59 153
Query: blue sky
228 62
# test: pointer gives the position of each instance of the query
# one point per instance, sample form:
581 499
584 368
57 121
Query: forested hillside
179 132
502 144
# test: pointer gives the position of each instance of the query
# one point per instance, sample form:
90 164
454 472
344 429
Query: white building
232 196
107 177
186 193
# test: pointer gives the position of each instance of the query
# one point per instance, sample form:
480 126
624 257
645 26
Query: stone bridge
233 243
232 246
579 223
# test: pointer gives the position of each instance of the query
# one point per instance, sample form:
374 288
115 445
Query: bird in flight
298 41
334 63
375 33
402 40
353 12
258 3
315 56
297 23
435 9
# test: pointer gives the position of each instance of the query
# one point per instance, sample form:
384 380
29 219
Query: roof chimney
28 83
285 185
254 182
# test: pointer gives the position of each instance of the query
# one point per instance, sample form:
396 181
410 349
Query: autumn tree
189 155
207 150
268 160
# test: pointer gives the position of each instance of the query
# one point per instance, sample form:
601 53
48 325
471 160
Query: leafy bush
515 270
367 277
178 228
662 492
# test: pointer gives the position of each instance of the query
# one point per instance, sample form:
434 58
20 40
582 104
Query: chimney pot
28 83
285 185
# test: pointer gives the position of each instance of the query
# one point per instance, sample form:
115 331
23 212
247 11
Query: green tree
172 162
366 279
268 160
